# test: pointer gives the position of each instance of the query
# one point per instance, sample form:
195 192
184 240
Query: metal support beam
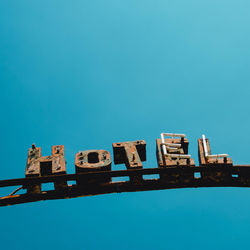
238 176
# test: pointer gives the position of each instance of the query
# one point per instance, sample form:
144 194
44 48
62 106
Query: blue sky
89 73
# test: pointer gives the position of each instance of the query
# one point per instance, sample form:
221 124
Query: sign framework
94 174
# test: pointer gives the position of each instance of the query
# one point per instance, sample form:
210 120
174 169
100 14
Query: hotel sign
94 175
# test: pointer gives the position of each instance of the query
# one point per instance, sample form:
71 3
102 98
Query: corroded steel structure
93 171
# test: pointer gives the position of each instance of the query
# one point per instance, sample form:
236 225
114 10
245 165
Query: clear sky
89 73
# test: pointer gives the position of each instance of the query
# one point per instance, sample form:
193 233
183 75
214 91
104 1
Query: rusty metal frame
237 176
94 174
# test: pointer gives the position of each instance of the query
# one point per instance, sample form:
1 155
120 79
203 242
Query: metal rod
163 142
176 145
179 156
174 135
218 156
170 144
206 151
204 145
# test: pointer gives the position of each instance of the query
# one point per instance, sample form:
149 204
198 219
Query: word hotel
171 150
